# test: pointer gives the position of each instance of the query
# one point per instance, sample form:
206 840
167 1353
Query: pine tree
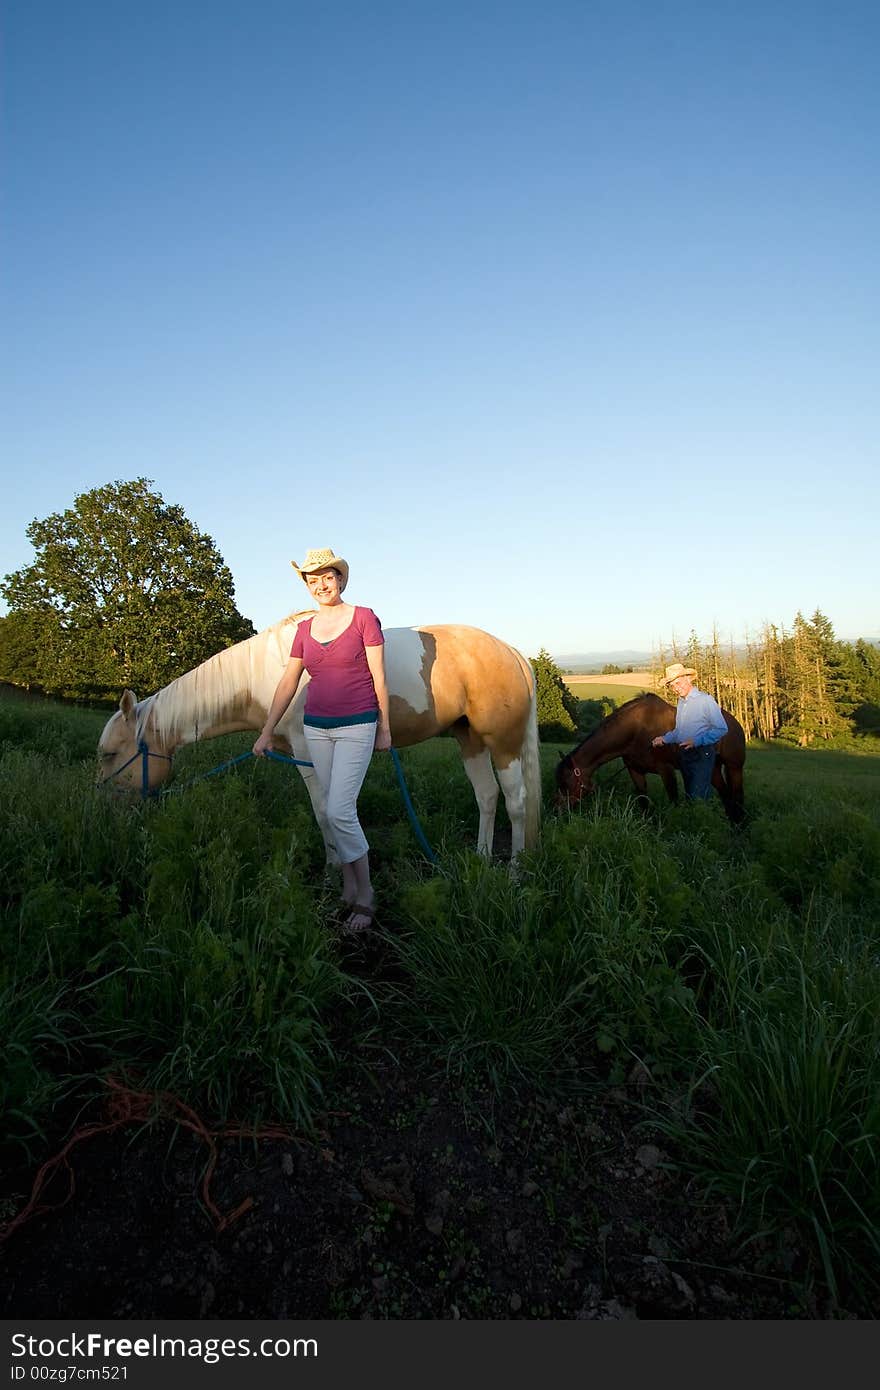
866 668
557 707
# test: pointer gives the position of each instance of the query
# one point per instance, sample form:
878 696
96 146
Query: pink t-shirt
340 683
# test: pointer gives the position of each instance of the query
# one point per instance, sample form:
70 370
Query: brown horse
627 734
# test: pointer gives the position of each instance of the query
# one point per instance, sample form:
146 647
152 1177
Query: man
699 727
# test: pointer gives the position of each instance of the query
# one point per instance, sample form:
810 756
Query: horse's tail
531 760
532 774
732 757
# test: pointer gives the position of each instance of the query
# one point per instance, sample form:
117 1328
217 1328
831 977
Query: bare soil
411 1201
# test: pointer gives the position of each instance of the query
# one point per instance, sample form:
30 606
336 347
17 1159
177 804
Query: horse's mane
223 681
611 721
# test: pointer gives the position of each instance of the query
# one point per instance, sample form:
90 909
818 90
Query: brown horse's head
124 753
571 782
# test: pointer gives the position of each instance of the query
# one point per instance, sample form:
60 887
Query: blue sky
556 318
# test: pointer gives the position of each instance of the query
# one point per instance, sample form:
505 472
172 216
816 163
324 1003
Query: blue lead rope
283 758
144 753
404 791
410 810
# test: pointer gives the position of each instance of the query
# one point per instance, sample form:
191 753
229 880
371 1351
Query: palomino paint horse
439 678
627 734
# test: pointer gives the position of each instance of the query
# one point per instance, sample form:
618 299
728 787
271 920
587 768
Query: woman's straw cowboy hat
676 670
322 560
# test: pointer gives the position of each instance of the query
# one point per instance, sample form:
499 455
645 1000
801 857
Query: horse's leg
730 789
737 793
478 766
640 782
514 789
670 782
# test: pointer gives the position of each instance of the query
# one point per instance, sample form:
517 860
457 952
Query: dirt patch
410 1202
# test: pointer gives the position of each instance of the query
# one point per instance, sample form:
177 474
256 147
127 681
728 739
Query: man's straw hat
322 560
675 670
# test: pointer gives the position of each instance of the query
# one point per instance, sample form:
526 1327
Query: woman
346 714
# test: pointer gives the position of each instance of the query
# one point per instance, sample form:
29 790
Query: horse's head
571 782
124 752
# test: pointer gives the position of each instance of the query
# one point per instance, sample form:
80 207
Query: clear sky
558 318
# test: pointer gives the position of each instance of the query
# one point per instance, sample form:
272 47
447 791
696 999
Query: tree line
801 684
125 591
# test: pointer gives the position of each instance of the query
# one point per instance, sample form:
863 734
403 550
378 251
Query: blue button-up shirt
698 719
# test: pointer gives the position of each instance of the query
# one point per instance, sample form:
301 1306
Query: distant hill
591 663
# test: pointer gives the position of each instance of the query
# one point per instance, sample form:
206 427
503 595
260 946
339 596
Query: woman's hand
376 662
263 745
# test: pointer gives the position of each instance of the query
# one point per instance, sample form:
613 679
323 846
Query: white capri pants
341 757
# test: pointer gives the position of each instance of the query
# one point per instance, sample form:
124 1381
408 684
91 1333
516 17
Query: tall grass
527 976
785 1120
185 943
180 941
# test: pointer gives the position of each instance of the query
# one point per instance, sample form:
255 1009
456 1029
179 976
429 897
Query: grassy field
185 942
607 688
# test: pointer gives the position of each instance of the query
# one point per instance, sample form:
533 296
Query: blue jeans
696 769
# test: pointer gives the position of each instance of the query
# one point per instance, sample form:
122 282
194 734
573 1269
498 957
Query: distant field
616 688
644 680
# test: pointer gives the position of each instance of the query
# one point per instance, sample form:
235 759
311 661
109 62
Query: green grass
63 732
619 694
788 775
184 943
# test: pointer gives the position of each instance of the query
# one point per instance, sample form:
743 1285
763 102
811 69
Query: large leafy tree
124 591
27 640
